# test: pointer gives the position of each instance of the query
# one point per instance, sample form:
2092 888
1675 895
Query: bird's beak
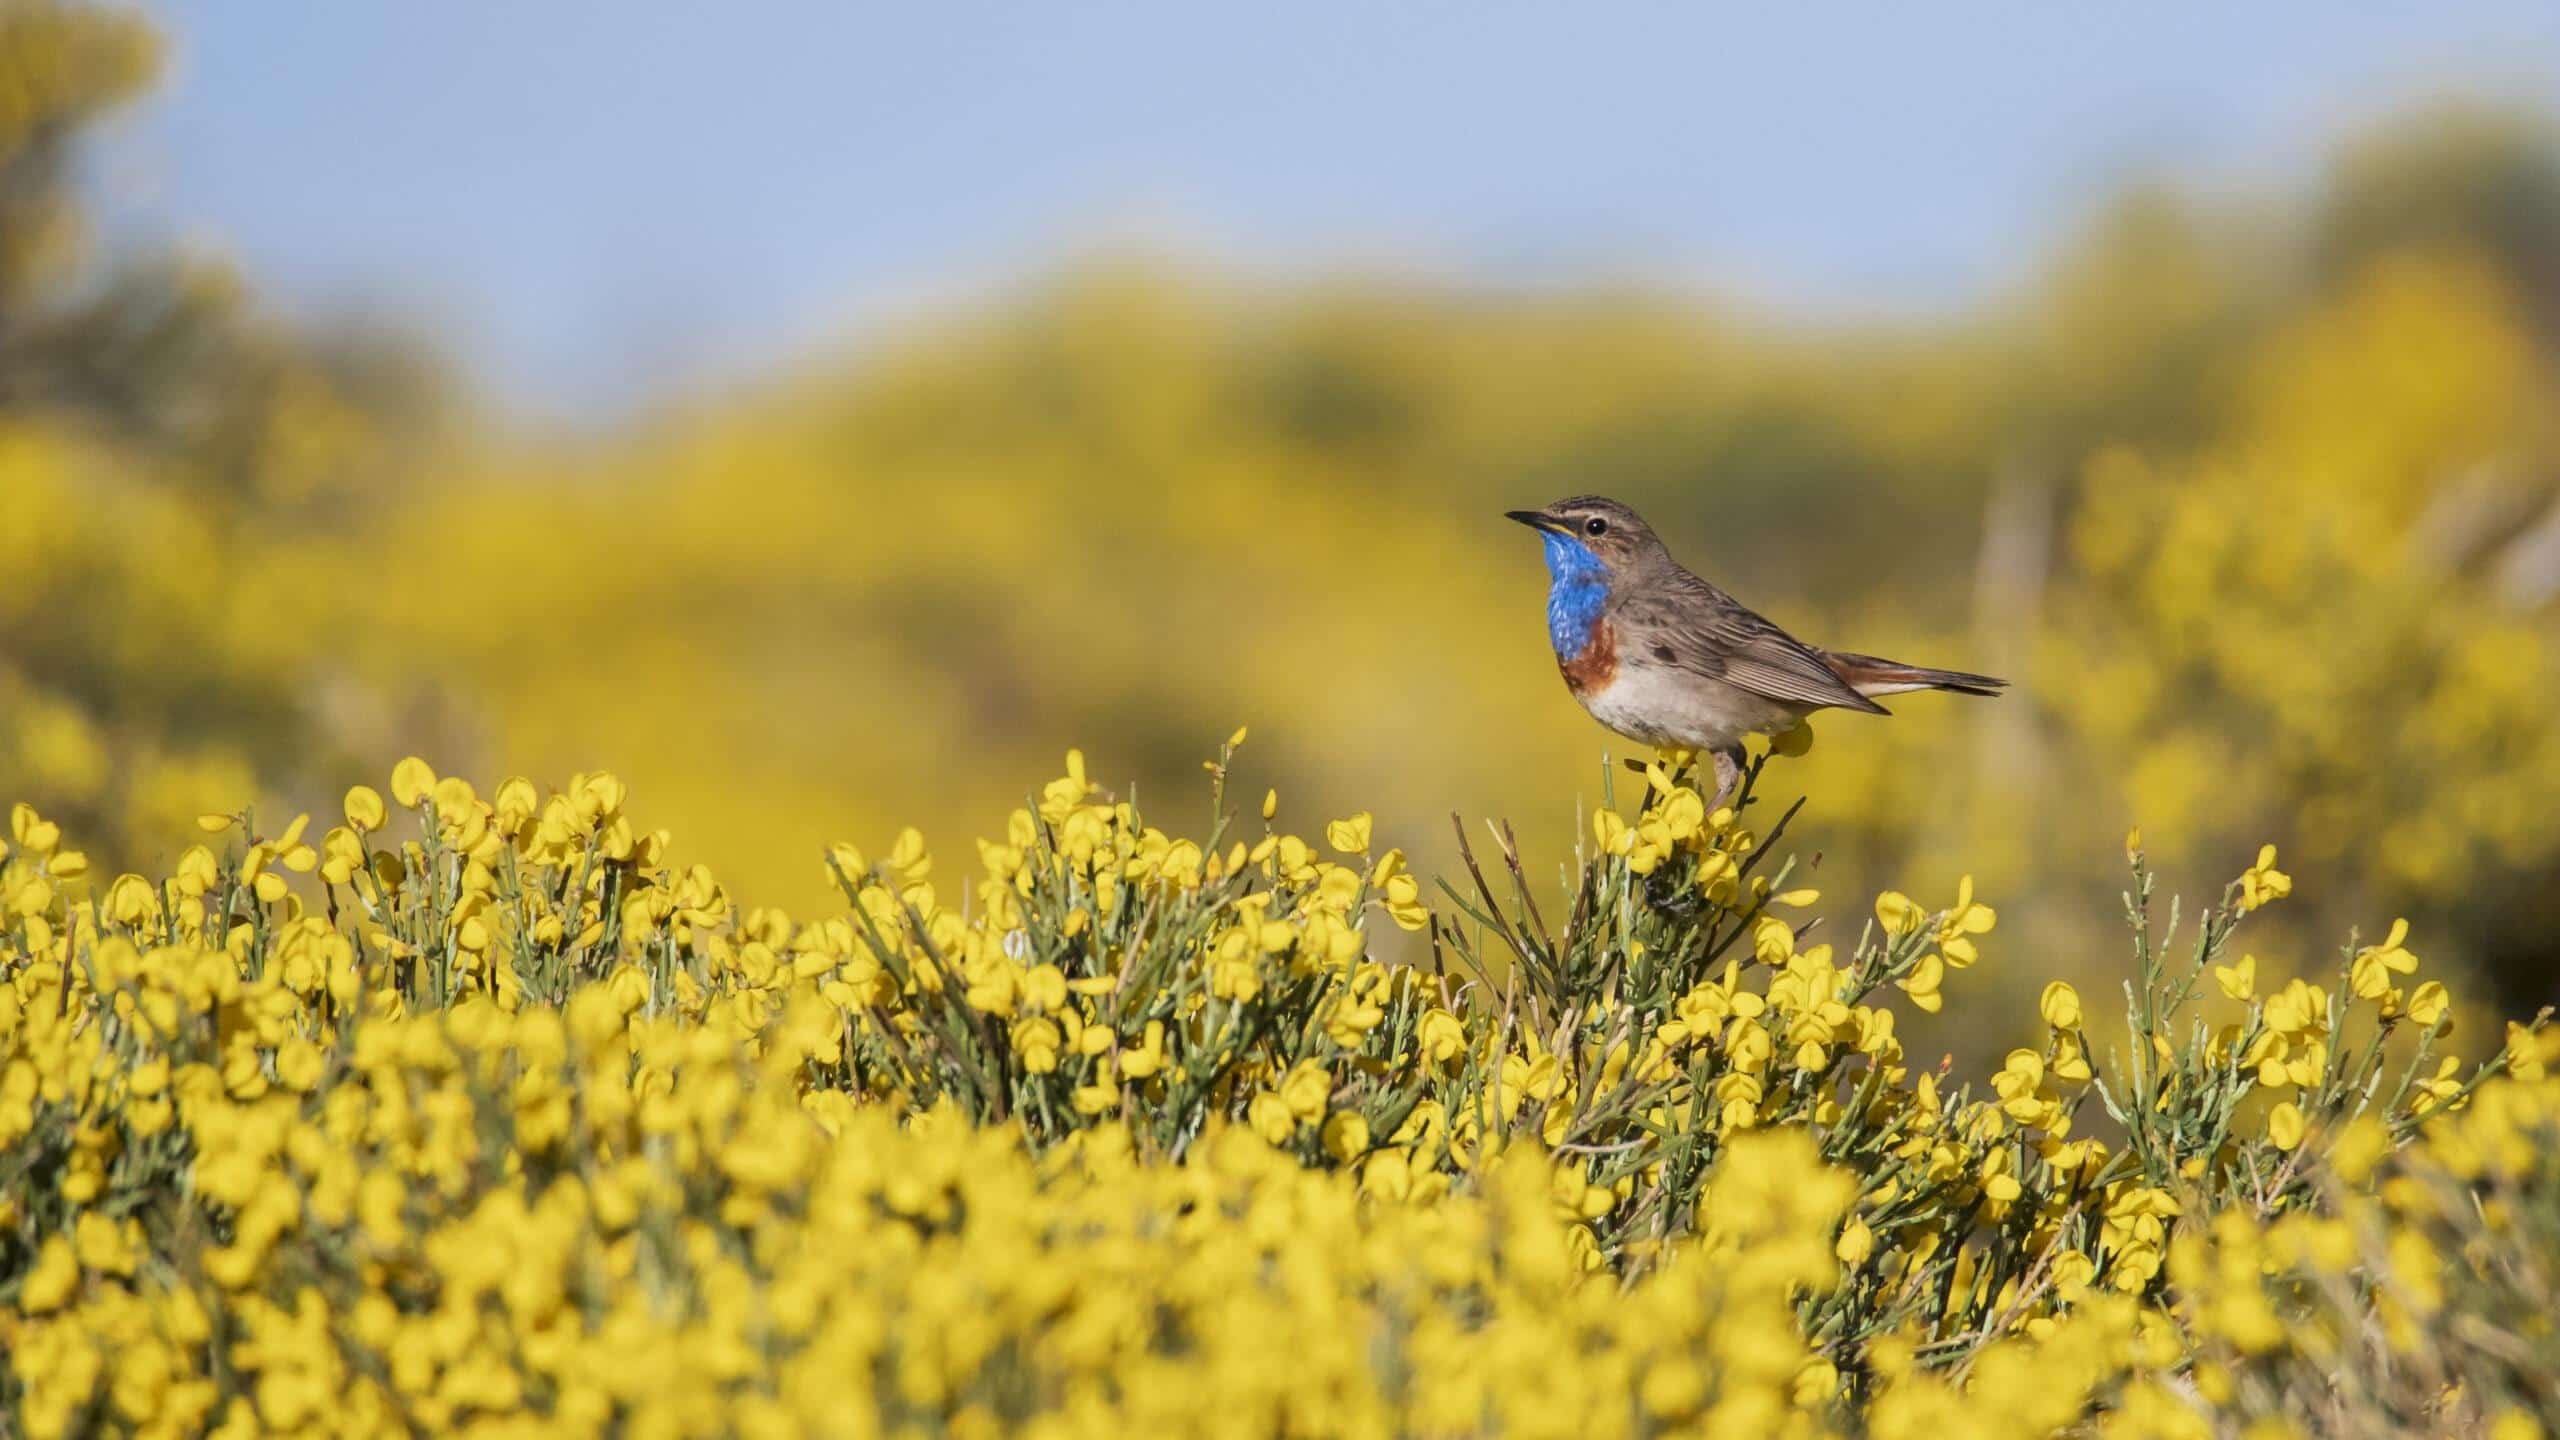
1536 520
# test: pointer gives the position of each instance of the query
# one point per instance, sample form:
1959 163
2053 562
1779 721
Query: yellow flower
1899 914
1856 1243
2070 1061
1061 796
1442 1036
1305 1090
2440 1088
1966 920
1923 981
2429 1003
2370 973
1044 988
52 1280
2263 882
300 1065
2002 1188
106 1245
1682 813
1271 1118
2240 982
2284 1126
2513 1424
412 781
1037 1041
2528 1055
2360 1146
2298 1009
1403 898
130 900
1388 1175
1773 941
1350 836
1346 1135
2022 1091
1147 1057
2061 1006
364 809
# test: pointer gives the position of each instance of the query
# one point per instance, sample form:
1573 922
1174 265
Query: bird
1667 659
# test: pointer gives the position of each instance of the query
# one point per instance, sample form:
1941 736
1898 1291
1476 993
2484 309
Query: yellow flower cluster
2205 658
520 1119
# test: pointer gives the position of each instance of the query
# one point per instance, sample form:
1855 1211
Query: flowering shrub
476 1110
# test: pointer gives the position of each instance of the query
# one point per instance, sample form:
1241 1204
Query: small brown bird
1663 657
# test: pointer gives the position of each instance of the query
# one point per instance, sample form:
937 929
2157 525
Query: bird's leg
1728 776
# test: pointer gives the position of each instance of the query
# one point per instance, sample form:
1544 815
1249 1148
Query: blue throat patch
1578 592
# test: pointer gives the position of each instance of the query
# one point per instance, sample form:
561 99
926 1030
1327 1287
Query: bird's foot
1728 776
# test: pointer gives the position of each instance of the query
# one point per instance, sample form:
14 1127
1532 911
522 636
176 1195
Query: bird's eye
1595 526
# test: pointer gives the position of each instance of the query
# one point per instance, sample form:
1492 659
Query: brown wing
1679 619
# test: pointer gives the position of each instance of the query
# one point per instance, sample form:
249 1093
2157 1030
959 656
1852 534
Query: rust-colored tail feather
1872 675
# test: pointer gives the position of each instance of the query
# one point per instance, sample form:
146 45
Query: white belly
1666 706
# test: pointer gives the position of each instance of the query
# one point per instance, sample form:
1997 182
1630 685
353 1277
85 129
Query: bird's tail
1871 676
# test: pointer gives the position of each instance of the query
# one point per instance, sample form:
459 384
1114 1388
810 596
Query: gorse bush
2062 483
488 1113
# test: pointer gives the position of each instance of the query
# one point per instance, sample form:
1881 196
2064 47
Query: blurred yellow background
2255 496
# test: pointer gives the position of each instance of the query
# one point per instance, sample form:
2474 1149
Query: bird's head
1591 533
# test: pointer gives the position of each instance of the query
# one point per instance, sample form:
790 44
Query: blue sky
593 202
